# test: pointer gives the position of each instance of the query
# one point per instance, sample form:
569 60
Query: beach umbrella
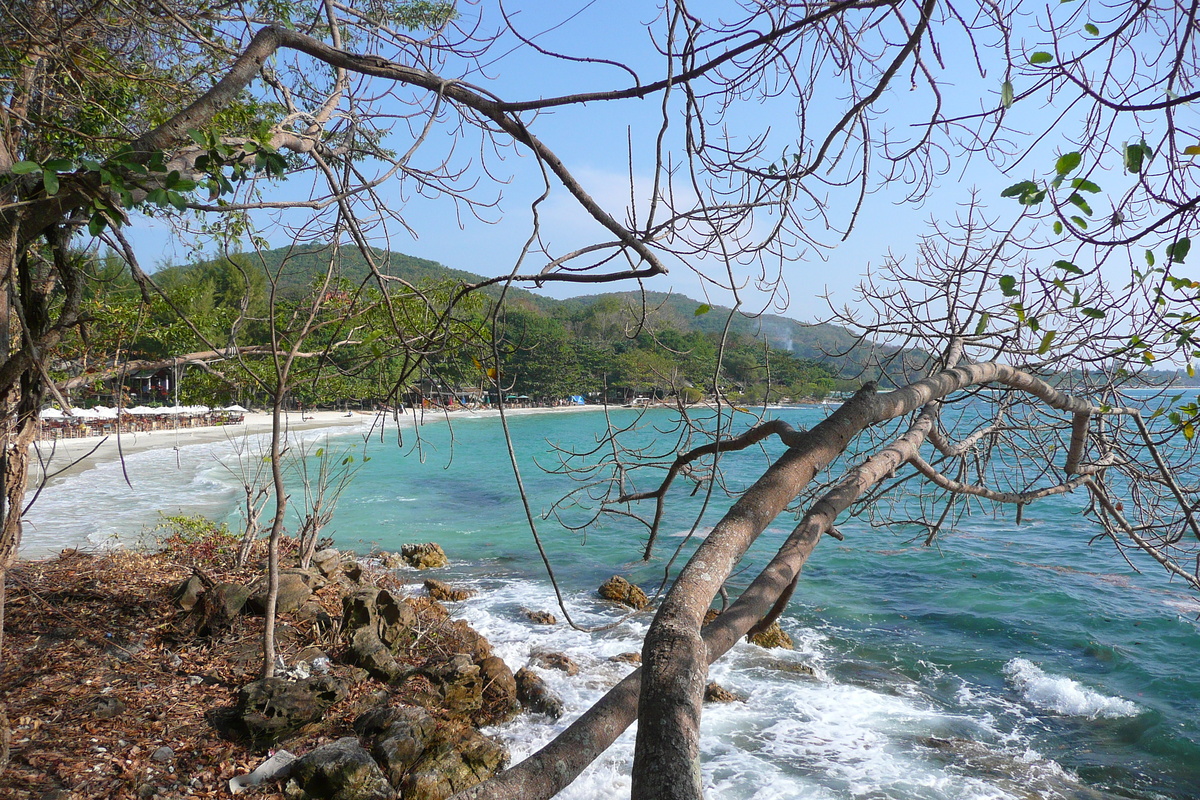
235 408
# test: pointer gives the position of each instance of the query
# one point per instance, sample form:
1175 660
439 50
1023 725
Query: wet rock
554 660
715 693
536 696
341 770
424 556
773 636
187 594
627 658
500 702
539 617
794 667
439 590
272 708
622 591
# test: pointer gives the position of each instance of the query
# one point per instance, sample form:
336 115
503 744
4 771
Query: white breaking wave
1063 695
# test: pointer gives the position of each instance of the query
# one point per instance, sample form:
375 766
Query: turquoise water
1005 662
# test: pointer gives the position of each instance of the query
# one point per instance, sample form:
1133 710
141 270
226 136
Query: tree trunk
268 667
674 656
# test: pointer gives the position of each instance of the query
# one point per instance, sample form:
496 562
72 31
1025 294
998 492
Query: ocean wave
1062 695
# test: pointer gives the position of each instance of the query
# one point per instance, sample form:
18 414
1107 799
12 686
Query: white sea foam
1062 695
796 736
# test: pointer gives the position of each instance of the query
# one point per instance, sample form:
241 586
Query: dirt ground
107 692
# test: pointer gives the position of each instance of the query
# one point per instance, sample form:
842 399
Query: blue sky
594 141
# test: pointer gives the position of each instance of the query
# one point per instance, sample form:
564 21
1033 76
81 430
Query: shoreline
52 461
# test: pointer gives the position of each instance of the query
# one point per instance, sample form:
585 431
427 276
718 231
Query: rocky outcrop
773 636
500 701
554 660
440 590
622 591
376 623
539 617
536 696
627 658
424 556
272 708
715 693
427 759
219 606
341 770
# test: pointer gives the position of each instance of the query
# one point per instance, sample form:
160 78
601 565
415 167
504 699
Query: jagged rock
622 591
540 617
327 562
272 708
187 594
794 667
715 693
353 571
500 702
554 660
439 590
457 683
380 611
295 587
220 605
424 556
341 770
773 636
429 760
465 758
470 641
535 695
391 561
627 658
368 651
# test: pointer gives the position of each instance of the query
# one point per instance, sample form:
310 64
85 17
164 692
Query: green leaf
1047 338
26 168
1058 226
1019 189
1067 163
197 137
1084 185
1177 251
1136 155
1192 150
1080 221
1191 371
97 224
1094 313
50 182
1041 57
1189 430
1069 267
1076 199
1006 94
58 165
320 452
982 326
1008 286
1092 29
1150 257
701 310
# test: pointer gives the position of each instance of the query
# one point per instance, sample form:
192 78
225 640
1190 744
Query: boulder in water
622 591
424 556
773 636
536 696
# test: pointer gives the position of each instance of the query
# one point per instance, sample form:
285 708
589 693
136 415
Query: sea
1002 661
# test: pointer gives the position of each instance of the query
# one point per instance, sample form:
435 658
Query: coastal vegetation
209 119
